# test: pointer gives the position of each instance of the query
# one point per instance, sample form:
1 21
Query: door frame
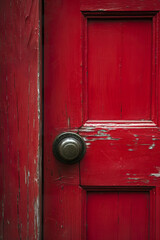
21 119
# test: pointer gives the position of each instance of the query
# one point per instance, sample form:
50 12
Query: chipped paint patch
111 138
85 139
133 178
36 218
101 10
102 133
135 135
103 138
152 146
88 129
155 175
105 135
130 150
155 139
88 144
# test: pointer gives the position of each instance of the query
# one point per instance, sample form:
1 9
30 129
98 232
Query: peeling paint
38 93
102 132
133 178
85 139
155 175
103 138
155 139
130 150
28 175
87 129
39 151
120 124
152 146
20 101
36 180
111 138
135 135
36 218
88 144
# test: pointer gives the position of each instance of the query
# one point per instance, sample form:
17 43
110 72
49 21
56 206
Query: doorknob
69 147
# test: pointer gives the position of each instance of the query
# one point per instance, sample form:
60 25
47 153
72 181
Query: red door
101 81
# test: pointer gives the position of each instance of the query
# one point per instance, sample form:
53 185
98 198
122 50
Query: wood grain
119 69
20 150
118 215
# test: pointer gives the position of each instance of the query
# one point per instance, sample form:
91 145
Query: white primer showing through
152 146
155 174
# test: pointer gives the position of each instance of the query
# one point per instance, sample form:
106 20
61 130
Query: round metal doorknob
69 147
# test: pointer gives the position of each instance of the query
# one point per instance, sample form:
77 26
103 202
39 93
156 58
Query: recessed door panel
118 215
119 69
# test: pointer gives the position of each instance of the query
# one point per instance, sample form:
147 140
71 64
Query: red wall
20 147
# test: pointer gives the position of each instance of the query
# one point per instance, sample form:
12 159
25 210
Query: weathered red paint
101 80
117 205
20 120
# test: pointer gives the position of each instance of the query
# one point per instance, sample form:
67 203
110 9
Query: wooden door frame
21 120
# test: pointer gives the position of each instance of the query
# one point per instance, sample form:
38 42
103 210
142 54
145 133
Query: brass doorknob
69 147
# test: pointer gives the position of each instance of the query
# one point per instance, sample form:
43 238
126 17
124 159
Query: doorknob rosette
69 147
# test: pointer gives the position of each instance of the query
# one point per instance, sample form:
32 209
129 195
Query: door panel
101 80
121 157
119 69
118 215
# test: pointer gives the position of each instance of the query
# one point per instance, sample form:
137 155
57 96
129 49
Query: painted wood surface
115 207
121 51
20 150
101 80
